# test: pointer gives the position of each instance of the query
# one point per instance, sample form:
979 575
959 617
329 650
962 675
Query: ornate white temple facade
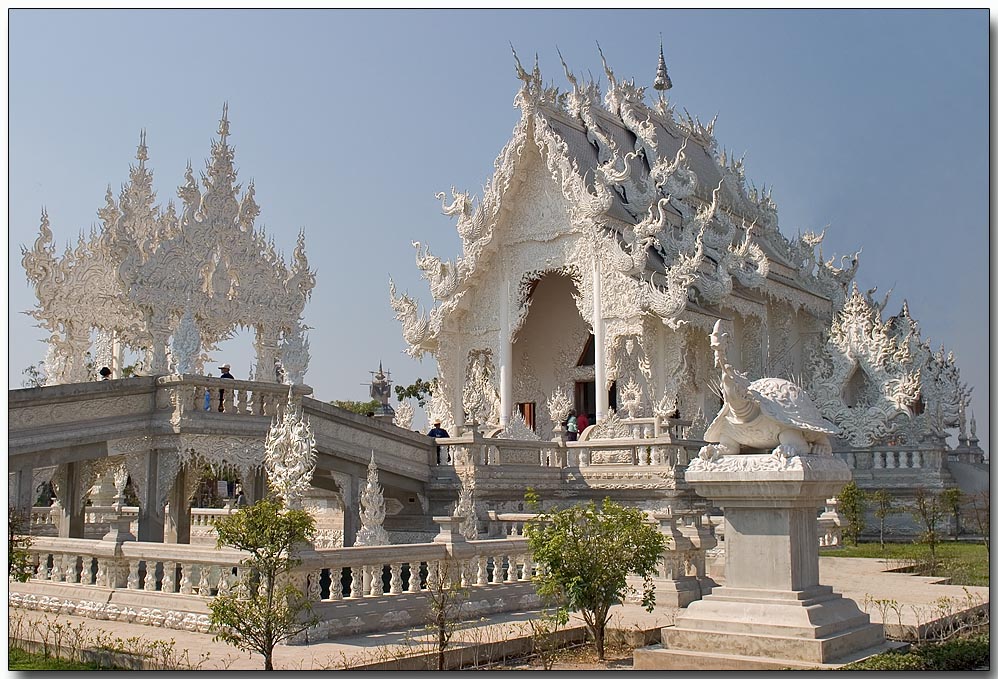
611 237
171 286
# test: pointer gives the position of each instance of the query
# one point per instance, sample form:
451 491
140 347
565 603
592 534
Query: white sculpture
372 510
559 406
767 413
147 267
403 415
290 455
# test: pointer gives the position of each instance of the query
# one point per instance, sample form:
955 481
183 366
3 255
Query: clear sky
874 123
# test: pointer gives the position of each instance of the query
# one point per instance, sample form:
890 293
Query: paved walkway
862 580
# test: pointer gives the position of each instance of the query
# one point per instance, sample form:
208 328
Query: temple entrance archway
548 347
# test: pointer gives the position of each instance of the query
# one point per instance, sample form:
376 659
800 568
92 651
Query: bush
888 662
969 653
958 654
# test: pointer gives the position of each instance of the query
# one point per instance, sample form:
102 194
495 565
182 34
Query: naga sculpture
767 413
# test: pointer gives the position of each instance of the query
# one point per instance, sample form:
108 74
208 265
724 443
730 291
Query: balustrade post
916 459
878 459
395 586
314 585
483 570
377 583
336 583
242 407
169 583
133 575
72 575
185 578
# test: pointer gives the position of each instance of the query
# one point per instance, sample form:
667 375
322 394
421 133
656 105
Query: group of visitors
575 425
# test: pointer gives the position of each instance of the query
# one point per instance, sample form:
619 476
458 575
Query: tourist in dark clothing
226 375
438 432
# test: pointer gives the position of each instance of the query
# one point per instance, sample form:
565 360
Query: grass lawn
963 562
22 660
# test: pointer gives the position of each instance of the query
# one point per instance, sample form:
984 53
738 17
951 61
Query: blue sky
871 122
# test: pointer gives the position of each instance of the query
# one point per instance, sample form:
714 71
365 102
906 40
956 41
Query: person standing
105 373
572 426
226 375
582 423
438 432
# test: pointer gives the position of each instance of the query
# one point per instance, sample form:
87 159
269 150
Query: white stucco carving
148 267
768 413
372 510
290 455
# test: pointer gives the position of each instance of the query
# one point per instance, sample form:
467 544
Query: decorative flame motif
290 455
559 406
403 415
372 510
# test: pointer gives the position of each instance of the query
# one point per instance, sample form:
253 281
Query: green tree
852 506
419 390
359 407
884 502
34 375
980 507
586 552
952 499
929 511
264 609
19 562
445 597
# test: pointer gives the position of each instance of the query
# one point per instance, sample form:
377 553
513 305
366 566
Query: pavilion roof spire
142 153
223 124
662 80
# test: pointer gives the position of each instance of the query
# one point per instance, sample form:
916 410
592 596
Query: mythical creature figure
762 414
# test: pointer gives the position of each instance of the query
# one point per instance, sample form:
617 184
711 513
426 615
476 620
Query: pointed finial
662 80
223 124
142 153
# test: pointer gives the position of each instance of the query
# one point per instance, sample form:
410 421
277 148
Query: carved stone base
772 612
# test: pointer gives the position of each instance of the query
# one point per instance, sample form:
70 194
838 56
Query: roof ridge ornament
662 80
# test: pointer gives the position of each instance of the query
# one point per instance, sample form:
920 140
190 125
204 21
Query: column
177 529
71 521
151 525
602 396
117 357
351 508
505 355
266 351
23 492
255 487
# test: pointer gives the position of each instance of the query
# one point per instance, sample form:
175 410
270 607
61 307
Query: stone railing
45 520
893 458
474 449
195 393
168 575
830 525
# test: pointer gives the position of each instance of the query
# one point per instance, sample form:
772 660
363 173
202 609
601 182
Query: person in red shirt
582 422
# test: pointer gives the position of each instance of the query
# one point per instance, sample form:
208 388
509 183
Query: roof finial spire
662 80
223 124
142 154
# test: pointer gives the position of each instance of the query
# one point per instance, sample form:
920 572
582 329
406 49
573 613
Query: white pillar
602 397
117 357
505 354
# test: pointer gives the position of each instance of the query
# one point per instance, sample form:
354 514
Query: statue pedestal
771 612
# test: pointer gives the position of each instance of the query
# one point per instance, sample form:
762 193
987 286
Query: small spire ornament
662 80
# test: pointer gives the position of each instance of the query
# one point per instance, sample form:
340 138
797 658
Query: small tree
852 506
884 502
929 511
419 390
264 609
980 507
359 407
19 562
952 499
446 596
586 552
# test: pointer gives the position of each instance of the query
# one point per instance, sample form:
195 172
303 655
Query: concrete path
862 580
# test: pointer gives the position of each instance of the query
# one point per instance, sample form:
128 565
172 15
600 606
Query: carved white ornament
290 455
137 276
372 510
403 415
558 405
